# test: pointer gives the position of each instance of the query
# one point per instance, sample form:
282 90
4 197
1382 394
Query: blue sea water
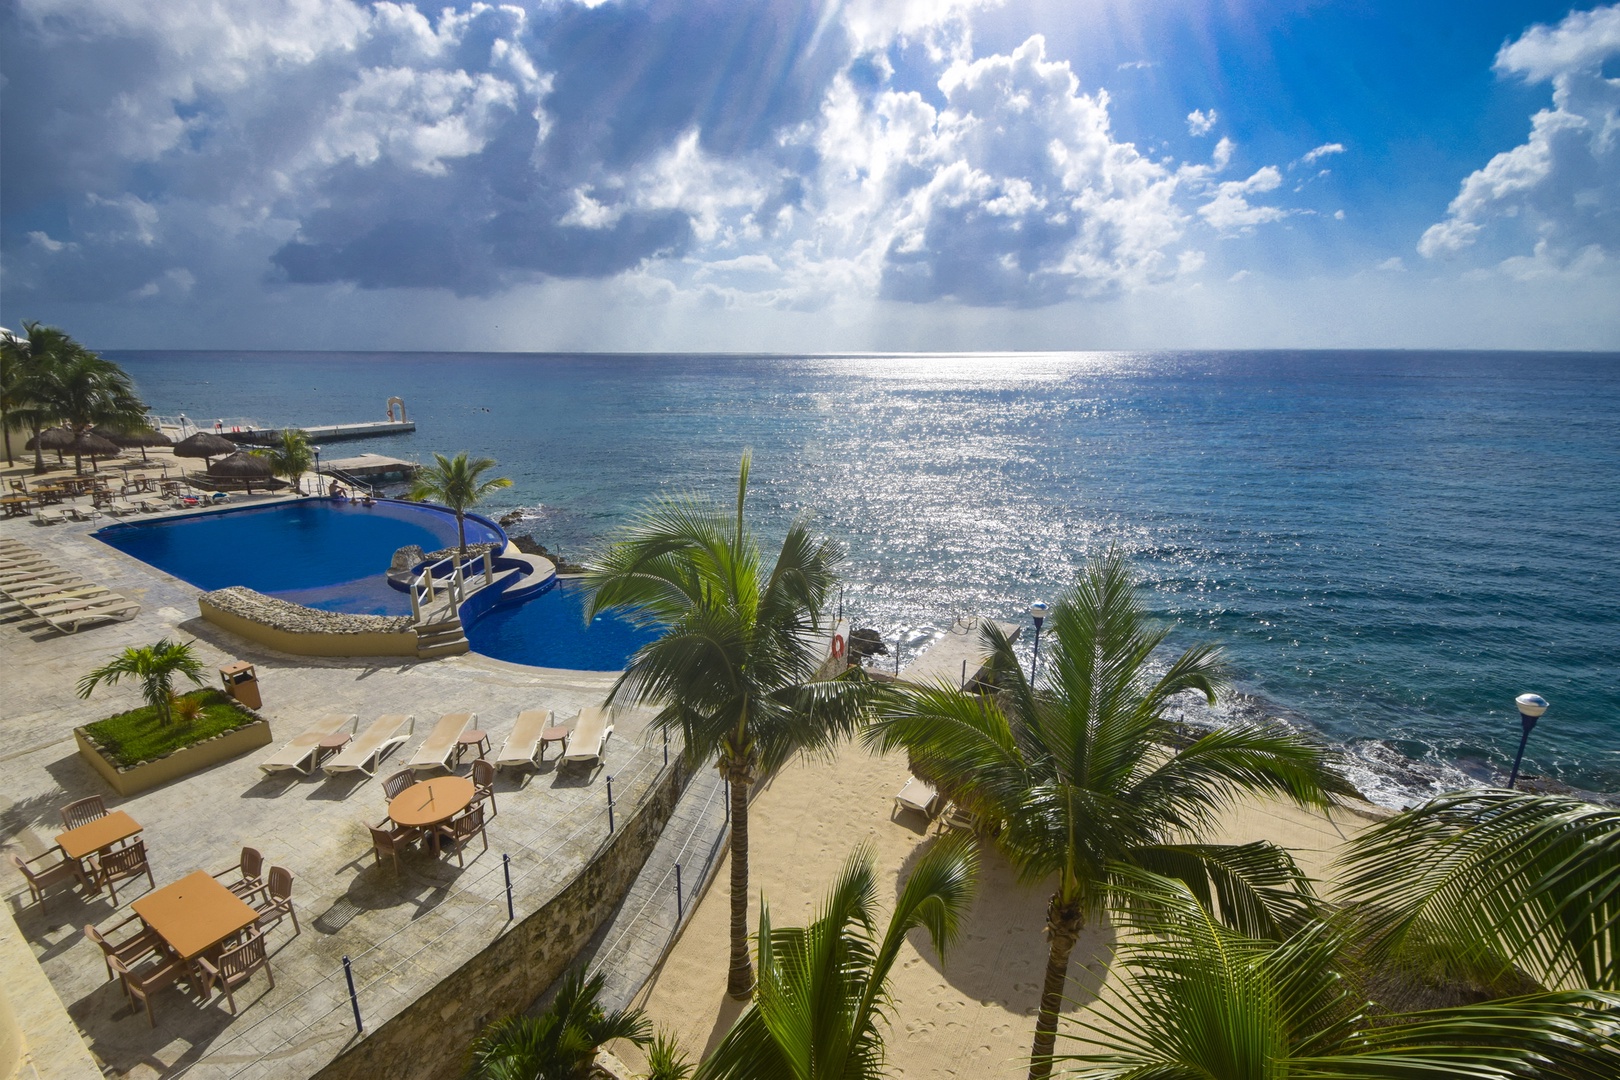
1390 545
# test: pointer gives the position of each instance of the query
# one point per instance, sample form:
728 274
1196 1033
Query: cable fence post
506 865
354 999
610 803
680 908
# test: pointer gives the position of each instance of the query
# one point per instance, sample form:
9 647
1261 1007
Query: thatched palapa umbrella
241 466
55 438
204 444
62 440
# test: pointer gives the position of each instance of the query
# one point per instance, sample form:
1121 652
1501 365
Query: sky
764 176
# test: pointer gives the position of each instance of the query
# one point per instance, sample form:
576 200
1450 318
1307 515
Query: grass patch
139 735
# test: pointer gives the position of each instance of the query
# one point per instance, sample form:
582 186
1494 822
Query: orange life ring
838 646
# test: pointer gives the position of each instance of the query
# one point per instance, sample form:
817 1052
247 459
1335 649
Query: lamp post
1037 611
1531 706
317 470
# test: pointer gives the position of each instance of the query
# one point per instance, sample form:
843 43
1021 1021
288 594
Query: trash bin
242 683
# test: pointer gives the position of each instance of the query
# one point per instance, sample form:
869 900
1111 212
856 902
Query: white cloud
1392 265
1325 150
1200 122
1231 214
1558 193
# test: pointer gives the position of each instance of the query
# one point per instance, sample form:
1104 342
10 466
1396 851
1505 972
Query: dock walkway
957 658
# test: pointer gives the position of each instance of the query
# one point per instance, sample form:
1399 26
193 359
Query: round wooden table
558 733
431 802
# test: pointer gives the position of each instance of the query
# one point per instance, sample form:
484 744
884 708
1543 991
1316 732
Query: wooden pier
371 467
957 658
363 430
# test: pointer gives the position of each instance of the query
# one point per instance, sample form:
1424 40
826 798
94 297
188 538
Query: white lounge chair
435 751
50 515
524 742
301 751
53 602
591 733
71 620
367 749
917 795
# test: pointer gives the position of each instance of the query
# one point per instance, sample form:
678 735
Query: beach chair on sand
591 733
367 749
302 752
917 795
520 746
435 751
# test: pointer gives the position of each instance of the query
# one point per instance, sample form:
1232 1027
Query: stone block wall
430 1039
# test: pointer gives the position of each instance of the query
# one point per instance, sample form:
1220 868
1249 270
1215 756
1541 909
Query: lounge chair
591 733
436 749
50 515
367 749
69 622
302 752
524 742
917 795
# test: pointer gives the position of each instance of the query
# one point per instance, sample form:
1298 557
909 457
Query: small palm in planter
155 667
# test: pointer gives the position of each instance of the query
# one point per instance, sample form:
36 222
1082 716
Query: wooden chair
396 784
143 982
483 778
236 966
248 868
129 951
121 864
277 903
390 841
462 829
65 871
83 811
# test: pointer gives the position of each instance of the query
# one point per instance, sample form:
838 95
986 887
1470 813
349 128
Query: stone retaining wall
432 1037
305 631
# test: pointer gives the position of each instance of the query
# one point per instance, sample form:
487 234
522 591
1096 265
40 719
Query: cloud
1558 193
1325 150
1200 122
1231 214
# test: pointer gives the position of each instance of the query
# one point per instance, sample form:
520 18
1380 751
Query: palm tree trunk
740 978
5 433
1063 925
39 452
461 532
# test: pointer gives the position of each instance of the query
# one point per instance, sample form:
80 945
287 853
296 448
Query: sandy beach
974 1016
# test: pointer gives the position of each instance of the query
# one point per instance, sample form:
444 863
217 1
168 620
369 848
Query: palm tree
823 989
459 484
1199 1000
84 390
293 458
561 1042
155 667
13 371
734 668
1492 888
1080 775
31 360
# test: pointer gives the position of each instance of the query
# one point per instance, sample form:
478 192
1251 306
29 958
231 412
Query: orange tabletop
194 914
431 801
97 835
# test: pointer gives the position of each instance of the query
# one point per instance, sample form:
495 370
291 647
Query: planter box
184 762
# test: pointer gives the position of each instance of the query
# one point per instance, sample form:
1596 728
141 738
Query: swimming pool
335 556
316 552
550 631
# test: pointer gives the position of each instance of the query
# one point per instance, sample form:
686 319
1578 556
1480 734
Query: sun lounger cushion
372 745
435 751
299 751
917 795
592 730
521 746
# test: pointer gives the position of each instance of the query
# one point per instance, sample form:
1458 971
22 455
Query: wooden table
431 803
194 914
554 734
15 505
470 738
97 835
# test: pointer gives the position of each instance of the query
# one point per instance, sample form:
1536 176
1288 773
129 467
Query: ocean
1390 545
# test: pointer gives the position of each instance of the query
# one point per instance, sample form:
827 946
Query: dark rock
513 517
864 642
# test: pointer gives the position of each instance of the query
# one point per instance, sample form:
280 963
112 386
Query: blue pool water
332 556
550 631
1389 545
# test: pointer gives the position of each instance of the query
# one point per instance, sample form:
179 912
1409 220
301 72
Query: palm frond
1500 878
1255 889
